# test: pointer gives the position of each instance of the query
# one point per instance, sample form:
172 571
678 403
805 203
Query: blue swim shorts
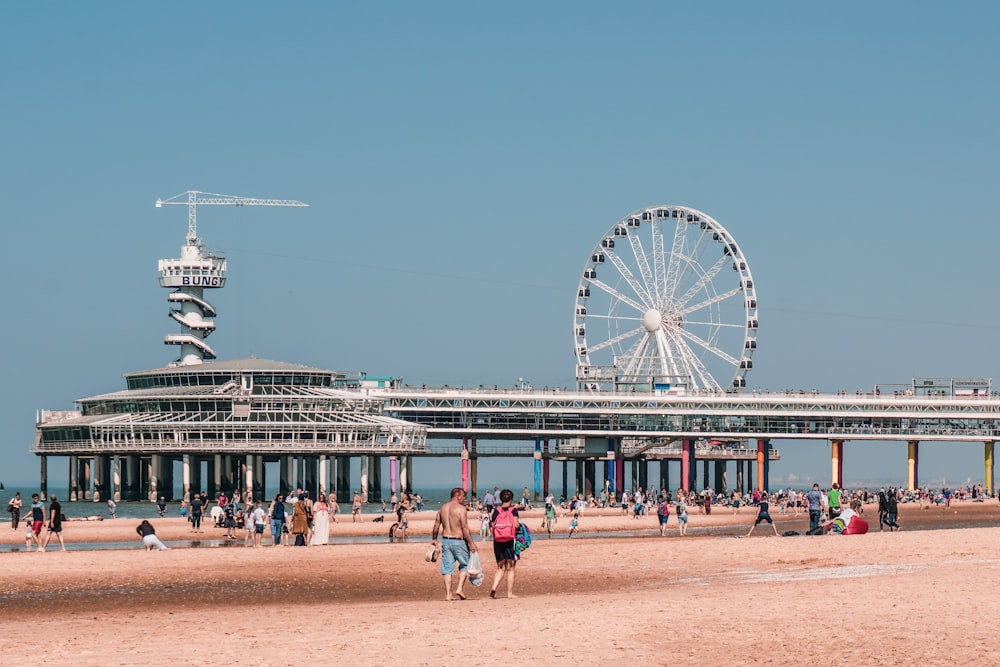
454 549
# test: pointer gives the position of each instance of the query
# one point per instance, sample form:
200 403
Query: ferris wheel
666 302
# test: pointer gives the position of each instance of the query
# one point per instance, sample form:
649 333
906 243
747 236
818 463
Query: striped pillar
687 465
538 469
762 465
912 461
837 463
988 460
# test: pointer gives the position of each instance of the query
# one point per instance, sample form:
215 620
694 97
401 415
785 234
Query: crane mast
198 269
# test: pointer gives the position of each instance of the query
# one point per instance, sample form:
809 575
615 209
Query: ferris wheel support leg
988 461
912 462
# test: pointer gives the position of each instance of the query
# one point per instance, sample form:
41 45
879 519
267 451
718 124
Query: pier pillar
311 470
609 466
589 478
132 476
565 480
719 481
248 483
473 467
116 478
643 473
466 465
344 494
364 478
323 474
73 483
218 475
988 461
546 467
537 489
912 460
286 467
580 478
749 477
43 476
300 474
405 474
837 463
85 480
154 477
375 477
620 468
664 476
633 477
186 478
763 456
259 480
687 481
704 476
101 481
393 475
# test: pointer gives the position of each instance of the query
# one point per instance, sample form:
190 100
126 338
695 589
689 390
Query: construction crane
193 199
196 270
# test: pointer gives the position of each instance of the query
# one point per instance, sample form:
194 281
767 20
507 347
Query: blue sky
461 161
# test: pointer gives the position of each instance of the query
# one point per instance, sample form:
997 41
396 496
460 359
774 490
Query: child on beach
484 525
573 524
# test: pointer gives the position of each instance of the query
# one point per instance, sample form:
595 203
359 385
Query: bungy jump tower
217 423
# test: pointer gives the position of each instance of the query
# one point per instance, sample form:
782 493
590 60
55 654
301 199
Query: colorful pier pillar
763 465
912 461
610 467
538 469
465 464
546 462
837 463
988 460
687 466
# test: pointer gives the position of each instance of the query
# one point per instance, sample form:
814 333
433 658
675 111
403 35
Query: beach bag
503 527
475 570
432 553
522 541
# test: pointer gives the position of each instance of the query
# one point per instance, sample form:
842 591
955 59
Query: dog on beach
378 519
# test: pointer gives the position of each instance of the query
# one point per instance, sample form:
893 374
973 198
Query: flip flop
459 595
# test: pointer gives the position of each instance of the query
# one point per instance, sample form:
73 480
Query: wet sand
920 595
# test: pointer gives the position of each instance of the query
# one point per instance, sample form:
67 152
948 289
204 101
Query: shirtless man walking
452 522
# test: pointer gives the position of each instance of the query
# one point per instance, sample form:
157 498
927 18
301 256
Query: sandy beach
619 592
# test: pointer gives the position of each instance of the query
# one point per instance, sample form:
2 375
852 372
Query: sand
923 595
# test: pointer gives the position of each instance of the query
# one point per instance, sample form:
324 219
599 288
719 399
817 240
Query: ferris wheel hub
652 319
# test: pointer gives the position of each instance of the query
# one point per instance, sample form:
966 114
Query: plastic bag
475 570
432 553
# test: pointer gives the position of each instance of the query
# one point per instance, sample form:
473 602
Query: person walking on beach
55 524
550 515
147 533
195 512
257 519
815 503
277 514
452 523
356 507
14 507
161 506
663 515
763 515
833 498
682 513
891 510
112 508
505 522
300 522
321 522
37 520
883 508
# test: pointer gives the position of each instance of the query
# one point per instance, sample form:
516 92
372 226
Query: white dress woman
321 522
